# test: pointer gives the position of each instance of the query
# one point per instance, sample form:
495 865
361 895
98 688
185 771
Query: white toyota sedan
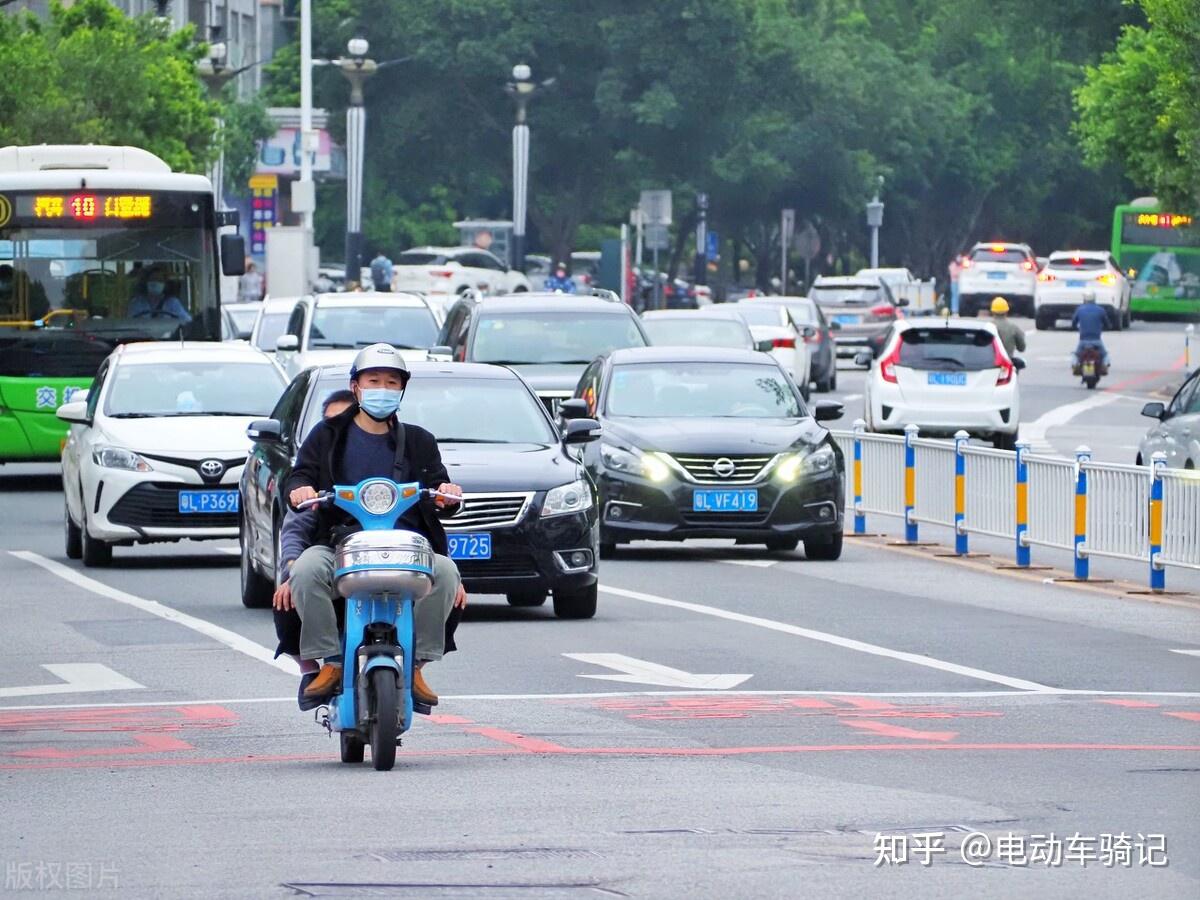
945 375
157 445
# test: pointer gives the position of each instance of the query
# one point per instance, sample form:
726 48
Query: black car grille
509 566
746 469
156 505
700 520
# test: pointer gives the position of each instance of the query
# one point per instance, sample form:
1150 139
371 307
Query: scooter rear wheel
385 718
352 748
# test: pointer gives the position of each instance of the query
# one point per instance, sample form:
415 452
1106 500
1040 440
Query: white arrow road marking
752 563
638 671
1187 652
1035 432
79 678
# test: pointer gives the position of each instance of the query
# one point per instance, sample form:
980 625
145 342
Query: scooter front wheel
385 718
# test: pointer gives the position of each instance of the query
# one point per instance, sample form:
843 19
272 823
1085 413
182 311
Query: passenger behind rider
368 440
1089 320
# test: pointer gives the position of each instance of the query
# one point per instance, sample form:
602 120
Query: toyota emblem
724 467
212 468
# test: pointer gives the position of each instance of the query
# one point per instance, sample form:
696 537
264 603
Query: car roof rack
604 294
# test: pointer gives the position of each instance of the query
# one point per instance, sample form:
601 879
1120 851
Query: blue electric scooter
381 572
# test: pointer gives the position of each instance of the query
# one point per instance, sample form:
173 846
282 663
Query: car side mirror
828 410
581 431
1018 363
574 408
835 326
902 301
440 353
764 346
1155 410
265 431
75 412
808 332
287 343
233 254
864 359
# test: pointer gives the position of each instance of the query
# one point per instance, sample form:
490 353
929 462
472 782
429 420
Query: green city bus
91 239
1160 254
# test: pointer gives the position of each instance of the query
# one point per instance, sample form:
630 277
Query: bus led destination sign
1164 220
91 207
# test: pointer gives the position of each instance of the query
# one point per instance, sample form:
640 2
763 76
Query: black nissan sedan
528 526
711 443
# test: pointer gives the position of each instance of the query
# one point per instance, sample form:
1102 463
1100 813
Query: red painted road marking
899 731
146 726
520 741
746 707
1190 716
144 743
447 719
1132 704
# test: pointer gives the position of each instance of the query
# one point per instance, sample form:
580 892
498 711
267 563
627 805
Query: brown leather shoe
327 683
421 691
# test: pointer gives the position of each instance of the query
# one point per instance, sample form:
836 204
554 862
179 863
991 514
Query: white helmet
380 356
1089 296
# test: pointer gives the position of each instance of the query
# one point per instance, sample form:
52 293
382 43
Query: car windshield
759 313
802 313
1077 263
413 258
142 390
697 332
848 294
272 326
547 338
464 410
701 390
994 255
347 327
957 349
243 320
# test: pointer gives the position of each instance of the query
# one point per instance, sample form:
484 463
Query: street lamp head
217 53
521 72
358 46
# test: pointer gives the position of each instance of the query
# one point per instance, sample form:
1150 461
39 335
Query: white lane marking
230 639
850 398
232 551
1035 432
78 678
639 671
835 640
604 695
752 563
1187 652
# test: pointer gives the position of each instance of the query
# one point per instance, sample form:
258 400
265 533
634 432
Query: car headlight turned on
796 465
118 458
567 498
635 462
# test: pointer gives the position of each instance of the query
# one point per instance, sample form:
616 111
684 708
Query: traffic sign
655 207
658 237
808 242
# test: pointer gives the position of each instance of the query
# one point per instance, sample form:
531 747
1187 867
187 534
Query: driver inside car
368 440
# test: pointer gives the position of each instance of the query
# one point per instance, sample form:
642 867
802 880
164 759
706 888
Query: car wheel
73 536
256 590
526 598
782 544
1043 322
1126 319
824 549
579 604
1004 441
1115 320
1138 461
94 552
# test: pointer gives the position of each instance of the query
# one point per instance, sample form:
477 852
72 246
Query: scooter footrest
422 708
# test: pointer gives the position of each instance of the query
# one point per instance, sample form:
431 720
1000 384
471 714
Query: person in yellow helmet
1011 335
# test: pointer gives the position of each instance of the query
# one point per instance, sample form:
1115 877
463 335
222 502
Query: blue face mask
155 287
380 403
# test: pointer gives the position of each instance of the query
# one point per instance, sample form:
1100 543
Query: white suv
442 273
1069 274
998 270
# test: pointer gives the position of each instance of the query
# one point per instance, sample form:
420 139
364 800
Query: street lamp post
875 222
357 69
522 88
215 73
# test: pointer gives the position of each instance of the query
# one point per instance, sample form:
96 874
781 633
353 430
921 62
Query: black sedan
529 523
711 443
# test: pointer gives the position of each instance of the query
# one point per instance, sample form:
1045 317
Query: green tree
92 75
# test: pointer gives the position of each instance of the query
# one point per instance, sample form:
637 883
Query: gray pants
313 594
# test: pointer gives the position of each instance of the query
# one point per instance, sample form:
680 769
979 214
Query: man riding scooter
1089 320
368 440
560 281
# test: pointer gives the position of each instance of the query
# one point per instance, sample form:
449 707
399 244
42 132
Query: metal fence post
1158 574
1023 555
910 483
960 493
1083 455
860 520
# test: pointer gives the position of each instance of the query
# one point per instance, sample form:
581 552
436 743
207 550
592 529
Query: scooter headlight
378 498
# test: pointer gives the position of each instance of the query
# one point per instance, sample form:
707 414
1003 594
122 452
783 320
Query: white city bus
98 246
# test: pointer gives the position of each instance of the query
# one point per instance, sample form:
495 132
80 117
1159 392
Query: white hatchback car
156 447
325 329
945 375
998 270
1069 274
445 272
773 322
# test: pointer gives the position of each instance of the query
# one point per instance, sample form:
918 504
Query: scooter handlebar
322 497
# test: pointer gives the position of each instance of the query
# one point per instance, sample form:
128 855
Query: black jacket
417 459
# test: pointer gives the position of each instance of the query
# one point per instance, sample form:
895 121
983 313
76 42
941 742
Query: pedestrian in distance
250 285
382 272
1011 334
